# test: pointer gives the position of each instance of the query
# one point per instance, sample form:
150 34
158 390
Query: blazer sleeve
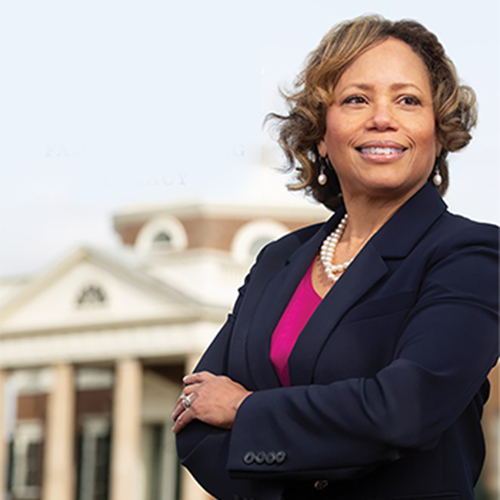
203 449
345 429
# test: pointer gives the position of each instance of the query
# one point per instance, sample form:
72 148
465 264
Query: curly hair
304 126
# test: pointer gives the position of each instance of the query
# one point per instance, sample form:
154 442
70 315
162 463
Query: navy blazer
388 377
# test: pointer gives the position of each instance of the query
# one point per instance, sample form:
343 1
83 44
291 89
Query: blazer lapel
395 239
364 272
273 302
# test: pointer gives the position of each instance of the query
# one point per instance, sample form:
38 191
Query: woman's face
380 129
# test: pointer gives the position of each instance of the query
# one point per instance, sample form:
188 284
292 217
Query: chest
320 282
353 332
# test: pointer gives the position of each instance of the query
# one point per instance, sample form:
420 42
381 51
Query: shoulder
274 254
289 242
454 231
299 235
463 261
281 248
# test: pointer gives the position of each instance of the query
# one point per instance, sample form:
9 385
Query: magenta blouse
303 303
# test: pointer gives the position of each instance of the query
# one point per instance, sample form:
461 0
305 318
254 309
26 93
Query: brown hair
305 124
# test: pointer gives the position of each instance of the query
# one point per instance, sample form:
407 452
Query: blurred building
93 349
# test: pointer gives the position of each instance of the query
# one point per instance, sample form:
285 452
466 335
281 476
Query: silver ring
187 401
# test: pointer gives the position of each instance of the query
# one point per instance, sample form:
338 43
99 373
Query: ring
187 401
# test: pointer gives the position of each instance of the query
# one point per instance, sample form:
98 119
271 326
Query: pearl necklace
328 248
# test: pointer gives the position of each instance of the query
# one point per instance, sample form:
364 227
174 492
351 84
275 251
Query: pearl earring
437 180
322 178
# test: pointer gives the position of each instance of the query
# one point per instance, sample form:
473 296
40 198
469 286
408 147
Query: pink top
303 303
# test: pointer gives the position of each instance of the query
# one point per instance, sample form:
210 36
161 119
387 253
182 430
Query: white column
190 362
126 439
59 466
191 490
3 441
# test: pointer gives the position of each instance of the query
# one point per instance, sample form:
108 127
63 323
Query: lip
381 144
398 150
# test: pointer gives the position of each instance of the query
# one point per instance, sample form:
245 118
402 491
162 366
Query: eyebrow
394 86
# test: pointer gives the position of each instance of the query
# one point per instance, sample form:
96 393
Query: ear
322 149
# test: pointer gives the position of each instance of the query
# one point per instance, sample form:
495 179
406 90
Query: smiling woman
354 364
453 105
380 125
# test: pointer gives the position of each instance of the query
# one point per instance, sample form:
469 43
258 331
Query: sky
107 103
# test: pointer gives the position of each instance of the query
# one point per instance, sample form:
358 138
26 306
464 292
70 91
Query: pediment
90 289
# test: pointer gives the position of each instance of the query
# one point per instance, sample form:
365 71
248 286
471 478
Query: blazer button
260 457
249 458
321 484
270 458
280 457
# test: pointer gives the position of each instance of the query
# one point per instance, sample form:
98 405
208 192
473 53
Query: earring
322 178
437 180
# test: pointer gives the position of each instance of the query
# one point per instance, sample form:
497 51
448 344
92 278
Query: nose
382 117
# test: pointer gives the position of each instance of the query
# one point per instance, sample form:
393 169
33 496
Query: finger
196 378
184 419
178 409
191 389
181 404
186 392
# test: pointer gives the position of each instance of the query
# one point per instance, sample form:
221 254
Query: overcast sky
109 103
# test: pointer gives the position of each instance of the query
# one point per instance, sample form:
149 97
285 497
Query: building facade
92 350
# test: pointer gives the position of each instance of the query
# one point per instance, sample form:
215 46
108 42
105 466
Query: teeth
381 151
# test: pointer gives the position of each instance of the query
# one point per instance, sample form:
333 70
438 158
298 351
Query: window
27 460
34 456
252 236
94 459
162 233
91 296
102 462
257 244
162 238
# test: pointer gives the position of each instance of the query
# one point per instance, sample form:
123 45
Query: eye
354 99
410 100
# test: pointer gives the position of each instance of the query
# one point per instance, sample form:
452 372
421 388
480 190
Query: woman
354 363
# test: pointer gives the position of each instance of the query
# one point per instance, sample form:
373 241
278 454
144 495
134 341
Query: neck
367 215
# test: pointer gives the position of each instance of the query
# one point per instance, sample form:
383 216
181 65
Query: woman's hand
213 400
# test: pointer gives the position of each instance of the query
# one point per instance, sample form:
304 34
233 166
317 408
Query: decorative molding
158 289
155 342
91 295
303 211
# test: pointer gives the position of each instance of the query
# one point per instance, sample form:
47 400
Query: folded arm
347 428
447 347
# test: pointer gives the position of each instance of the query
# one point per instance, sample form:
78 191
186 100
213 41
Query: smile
381 151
